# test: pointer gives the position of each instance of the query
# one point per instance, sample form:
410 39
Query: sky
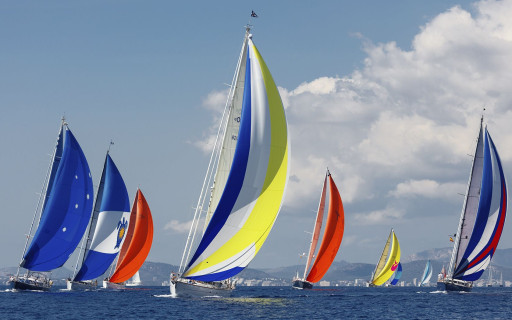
387 94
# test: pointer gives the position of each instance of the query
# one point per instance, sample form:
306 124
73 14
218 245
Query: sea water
260 303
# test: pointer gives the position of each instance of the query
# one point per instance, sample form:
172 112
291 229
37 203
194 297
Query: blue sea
261 303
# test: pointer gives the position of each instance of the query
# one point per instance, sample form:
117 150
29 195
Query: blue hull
301 284
453 287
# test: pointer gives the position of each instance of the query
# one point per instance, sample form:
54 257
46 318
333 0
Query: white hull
114 286
81 285
186 288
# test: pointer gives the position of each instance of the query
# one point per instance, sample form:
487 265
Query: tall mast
44 190
455 253
214 159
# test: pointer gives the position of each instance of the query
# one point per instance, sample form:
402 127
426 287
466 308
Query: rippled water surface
261 303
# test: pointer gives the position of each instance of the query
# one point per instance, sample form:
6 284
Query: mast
43 196
212 171
318 225
455 253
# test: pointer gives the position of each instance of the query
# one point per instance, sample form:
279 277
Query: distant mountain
155 273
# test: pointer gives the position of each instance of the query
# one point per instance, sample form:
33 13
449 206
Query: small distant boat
136 246
501 280
398 274
64 209
107 228
244 183
388 262
134 281
482 218
489 281
427 274
331 240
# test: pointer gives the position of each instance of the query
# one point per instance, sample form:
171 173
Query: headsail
398 274
67 209
254 189
391 264
427 274
318 227
332 235
109 223
137 243
484 213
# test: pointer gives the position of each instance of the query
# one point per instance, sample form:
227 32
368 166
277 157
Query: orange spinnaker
138 241
332 235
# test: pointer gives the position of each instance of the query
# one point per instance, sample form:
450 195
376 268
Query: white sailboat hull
81 285
113 286
190 288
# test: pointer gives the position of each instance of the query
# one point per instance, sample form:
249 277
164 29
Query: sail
111 222
230 141
427 274
135 280
318 227
488 191
59 147
66 212
398 274
254 189
137 243
391 264
332 235
383 257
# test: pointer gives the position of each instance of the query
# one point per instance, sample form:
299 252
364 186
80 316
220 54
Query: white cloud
385 217
178 227
429 189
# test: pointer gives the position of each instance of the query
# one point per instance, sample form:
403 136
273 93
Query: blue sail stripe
236 175
66 214
398 274
95 265
219 276
117 199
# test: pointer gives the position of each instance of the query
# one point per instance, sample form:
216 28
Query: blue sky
388 94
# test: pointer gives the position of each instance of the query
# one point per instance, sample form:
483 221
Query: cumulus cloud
400 127
428 188
177 226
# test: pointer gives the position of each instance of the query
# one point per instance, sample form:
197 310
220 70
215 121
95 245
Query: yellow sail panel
383 257
391 264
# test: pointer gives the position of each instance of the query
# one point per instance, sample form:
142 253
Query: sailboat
501 280
427 274
482 218
107 229
398 274
134 281
245 182
64 209
388 262
136 246
331 240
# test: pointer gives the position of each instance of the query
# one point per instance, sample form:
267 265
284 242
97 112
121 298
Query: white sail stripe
427 279
226 264
478 267
494 209
105 236
257 165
